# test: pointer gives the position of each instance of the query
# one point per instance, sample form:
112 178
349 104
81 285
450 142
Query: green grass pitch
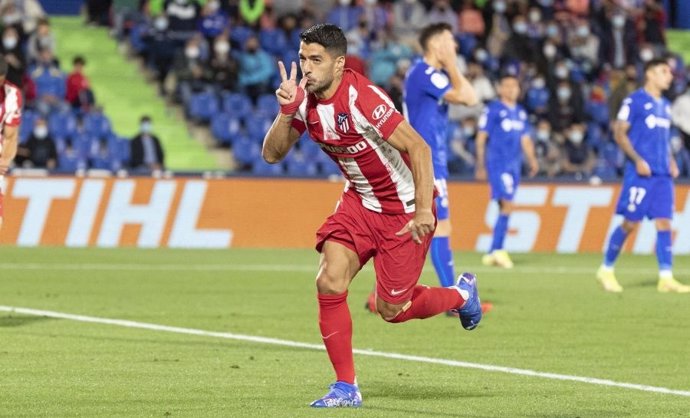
549 316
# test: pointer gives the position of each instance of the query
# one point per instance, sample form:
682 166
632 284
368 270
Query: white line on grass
296 344
303 268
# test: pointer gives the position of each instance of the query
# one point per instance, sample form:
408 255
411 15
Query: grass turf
548 316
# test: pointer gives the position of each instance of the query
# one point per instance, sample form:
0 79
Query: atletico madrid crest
343 122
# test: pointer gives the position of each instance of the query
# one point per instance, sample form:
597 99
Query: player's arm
9 147
282 135
620 134
528 150
480 145
405 139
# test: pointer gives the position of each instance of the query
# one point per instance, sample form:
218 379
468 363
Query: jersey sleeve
435 84
378 110
626 111
484 119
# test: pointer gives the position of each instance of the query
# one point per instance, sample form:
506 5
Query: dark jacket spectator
11 49
146 152
39 150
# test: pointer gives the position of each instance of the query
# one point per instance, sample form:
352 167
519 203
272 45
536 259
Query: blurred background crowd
576 61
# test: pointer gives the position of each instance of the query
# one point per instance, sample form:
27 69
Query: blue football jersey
505 127
427 112
650 130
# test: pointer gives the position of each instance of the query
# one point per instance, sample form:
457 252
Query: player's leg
337 267
503 188
441 253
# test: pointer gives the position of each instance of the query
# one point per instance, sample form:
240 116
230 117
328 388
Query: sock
616 242
663 250
500 230
429 301
335 323
442 257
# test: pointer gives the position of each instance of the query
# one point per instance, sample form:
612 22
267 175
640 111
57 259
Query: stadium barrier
285 213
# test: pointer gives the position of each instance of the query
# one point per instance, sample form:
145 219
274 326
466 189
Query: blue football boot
471 311
341 395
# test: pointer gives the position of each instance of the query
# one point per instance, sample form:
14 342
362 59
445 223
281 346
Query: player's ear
340 64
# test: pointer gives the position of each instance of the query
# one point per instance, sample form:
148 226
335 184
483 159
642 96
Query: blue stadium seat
467 43
239 35
225 127
537 98
598 111
62 123
262 168
299 165
273 41
28 119
245 150
236 104
309 148
203 106
267 105
97 124
258 126
329 168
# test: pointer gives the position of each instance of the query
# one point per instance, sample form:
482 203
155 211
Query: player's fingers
293 71
405 229
283 94
303 82
283 73
415 237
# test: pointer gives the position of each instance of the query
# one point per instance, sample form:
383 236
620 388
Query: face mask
370 2
561 73
481 55
160 23
618 21
542 135
538 83
213 6
549 50
534 16
9 43
41 132
552 31
192 52
576 137
468 131
563 93
410 1
181 1
520 28
221 48
145 127
11 19
646 55
676 144
344 3
582 31
499 7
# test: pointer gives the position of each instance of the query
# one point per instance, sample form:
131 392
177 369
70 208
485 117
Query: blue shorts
504 183
651 197
442 206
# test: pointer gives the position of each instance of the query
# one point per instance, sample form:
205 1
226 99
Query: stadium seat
329 168
203 106
225 127
262 168
273 40
598 111
267 105
236 104
62 123
97 124
309 148
28 119
258 126
297 164
246 151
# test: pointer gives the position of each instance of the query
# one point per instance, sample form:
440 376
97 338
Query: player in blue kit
504 134
642 131
431 83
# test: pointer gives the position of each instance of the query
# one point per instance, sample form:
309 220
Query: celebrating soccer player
503 136
10 119
386 211
643 131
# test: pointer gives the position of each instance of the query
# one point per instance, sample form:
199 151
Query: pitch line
372 353
304 268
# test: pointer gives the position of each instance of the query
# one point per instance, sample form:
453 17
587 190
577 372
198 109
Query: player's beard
318 88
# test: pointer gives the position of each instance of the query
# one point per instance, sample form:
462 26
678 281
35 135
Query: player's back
427 112
505 126
650 130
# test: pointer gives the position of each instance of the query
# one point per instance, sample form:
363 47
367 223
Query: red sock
336 330
430 301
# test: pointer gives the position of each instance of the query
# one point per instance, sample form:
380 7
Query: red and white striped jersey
10 107
352 128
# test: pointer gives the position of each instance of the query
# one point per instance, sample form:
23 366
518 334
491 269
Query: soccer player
502 138
386 210
10 119
642 130
430 84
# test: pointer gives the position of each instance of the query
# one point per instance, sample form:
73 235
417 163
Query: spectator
39 150
161 51
41 40
622 85
346 14
681 155
680 112
78 93
50 83
584 45
98 12
384 61
619 41
256 69
565 107
183 16
519 46
409 17
223 65
146 152
190 69
500 29
30 12
375 15
652 22
252 10
213 21
578 159
546 149
470 20
13 52
441 11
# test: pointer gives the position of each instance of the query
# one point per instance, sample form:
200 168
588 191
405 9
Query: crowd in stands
576 61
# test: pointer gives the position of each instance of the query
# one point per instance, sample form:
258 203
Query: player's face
660 76
319 67
509 89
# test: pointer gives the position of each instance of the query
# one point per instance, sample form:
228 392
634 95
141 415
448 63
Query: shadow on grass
19 321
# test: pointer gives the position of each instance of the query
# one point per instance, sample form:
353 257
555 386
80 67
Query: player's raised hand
422 224
447 53
289 93
642 168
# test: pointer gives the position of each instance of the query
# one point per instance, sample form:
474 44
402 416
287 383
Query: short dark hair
78 60
331 37
655 63
3 66
432 30
145 118
507 74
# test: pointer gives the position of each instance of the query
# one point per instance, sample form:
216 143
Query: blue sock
500 230
663 250
616 242
442 258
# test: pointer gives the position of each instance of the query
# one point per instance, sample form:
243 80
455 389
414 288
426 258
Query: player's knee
328 282
387 311
629 226
663 224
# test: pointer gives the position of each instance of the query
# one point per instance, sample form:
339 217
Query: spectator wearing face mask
500 29
619 40
409 17
256 69
42 40
584 46
161 51
546 149
39 150
146 152
578 158
223 65
13 52
566 106
191 70
519 46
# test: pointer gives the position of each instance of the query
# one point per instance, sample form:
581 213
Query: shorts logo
379 112
343 122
